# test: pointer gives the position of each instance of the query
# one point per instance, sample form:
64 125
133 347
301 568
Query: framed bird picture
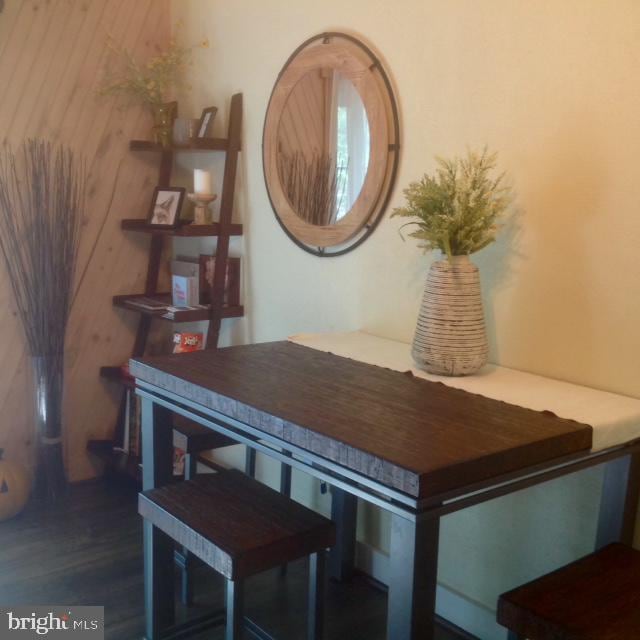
165 207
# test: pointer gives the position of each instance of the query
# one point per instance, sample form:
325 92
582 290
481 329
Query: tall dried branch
41 202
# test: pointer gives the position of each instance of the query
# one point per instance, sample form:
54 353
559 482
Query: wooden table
415 448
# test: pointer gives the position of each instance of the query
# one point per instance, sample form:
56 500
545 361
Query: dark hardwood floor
88 551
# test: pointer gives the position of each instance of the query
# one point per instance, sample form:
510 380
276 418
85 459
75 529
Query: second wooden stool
595 598
240 527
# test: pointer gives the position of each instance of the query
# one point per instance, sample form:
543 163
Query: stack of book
131 432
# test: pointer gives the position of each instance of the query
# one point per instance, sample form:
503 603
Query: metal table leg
619 502
344 511
157 453
285 490
250 462
235 606
412 578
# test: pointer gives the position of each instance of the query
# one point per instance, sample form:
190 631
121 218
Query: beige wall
554 87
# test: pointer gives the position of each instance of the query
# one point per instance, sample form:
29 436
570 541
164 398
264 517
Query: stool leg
285 489
186 586
235 615
315 618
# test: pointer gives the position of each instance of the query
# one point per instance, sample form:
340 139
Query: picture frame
231 284
205 121
166 204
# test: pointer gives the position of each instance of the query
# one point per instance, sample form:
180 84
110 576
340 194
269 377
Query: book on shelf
178 461
184 291
171 312
185 278
127 421
148 304
231 281
135 422
132 434
124 444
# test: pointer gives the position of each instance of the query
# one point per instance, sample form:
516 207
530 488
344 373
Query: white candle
202 181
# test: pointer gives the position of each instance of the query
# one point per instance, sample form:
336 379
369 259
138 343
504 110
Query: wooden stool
595 598
240 527
193 439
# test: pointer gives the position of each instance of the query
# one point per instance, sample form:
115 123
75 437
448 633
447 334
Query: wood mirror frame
355 61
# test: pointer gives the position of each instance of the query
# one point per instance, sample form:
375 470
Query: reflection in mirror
323 146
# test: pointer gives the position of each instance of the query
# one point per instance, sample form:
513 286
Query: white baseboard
467 614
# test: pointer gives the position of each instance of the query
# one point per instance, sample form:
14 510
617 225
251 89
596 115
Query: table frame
415 522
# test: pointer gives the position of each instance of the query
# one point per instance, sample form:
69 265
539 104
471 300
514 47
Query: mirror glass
323 146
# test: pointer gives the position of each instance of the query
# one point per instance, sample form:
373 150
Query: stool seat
235 524
594 598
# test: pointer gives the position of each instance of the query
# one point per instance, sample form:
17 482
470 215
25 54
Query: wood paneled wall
51 56
306 118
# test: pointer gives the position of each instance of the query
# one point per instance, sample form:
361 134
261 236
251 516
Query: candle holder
201 201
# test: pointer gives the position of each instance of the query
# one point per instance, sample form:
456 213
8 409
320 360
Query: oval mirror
330 144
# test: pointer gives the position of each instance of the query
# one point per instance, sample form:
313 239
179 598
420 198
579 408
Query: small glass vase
163 116
184 129
47 387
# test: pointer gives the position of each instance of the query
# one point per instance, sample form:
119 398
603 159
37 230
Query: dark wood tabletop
419 437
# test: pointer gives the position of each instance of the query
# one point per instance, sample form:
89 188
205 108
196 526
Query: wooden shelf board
101 448
186 230
188 315
121 462
117 375
195 144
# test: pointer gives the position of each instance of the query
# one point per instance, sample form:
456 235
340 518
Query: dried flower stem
41 202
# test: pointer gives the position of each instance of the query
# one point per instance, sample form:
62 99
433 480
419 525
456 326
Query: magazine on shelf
185 281
151 305
185 292
185 313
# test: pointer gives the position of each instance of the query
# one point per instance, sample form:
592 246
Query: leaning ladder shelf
213 313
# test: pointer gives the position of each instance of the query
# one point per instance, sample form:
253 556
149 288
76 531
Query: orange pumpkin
15 487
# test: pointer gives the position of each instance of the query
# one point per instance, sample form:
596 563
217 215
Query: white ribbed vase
451 338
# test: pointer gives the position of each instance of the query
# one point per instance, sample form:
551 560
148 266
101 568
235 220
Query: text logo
20 623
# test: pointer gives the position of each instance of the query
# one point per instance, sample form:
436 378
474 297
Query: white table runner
615 419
